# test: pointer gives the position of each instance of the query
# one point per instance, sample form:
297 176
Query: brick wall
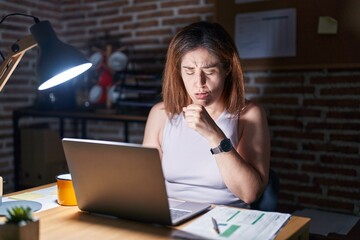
20 90
314 121
313 115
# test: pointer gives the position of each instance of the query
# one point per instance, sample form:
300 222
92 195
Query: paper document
47 197
266 34
236 223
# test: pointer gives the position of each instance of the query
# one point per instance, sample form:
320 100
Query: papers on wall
266 34
235 223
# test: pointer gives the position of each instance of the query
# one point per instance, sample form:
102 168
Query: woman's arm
245 168
154 127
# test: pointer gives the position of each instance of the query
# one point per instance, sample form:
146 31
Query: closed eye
209 72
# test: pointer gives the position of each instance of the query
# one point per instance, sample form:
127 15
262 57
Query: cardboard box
42 156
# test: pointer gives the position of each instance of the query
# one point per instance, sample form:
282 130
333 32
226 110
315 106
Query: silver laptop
123 180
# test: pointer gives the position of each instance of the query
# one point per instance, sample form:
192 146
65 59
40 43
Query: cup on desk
65 190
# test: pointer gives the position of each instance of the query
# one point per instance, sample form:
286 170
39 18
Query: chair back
269 199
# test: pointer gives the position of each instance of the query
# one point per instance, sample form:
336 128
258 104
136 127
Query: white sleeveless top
190 170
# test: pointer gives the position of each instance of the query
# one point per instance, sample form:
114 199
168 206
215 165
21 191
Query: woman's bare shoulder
157 112
158 106
252 110
154 126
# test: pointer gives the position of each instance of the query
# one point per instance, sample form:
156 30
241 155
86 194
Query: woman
213 144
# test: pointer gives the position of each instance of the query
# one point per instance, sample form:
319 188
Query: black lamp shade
58 62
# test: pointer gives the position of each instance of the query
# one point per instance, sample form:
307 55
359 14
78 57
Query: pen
215 225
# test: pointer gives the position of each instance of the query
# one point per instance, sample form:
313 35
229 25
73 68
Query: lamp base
34 206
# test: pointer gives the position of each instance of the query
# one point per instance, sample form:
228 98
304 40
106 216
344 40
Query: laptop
124 180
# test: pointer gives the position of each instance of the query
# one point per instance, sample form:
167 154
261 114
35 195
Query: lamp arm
16 52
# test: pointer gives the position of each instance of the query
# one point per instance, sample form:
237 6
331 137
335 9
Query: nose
200 79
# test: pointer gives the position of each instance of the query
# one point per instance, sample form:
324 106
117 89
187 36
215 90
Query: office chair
269 199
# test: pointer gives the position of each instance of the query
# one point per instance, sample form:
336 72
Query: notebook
124 180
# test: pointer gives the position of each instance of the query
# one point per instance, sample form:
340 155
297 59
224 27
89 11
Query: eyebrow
211 65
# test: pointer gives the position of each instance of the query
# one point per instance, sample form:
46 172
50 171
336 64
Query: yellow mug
65 190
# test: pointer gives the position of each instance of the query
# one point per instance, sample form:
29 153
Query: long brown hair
216 40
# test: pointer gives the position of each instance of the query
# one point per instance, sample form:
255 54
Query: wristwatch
225 146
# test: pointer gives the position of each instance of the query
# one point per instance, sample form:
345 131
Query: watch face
226 145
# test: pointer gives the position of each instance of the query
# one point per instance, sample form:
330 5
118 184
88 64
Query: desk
83 117
71 223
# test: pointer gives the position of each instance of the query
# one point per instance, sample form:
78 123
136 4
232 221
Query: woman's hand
199 119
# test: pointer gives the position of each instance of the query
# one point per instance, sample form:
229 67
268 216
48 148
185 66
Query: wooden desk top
71 223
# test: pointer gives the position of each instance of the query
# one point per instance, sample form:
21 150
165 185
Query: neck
215 111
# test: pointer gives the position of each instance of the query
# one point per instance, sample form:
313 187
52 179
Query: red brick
287 145
113 4
288 176
288 90
78 9
180 20
99 14
198 10
285 123
178 3
341 80
332 126
141 41
355 195
348 103
330 148
82 23
341 160
326 203
348 115
345 137
299 135
157 14
154 32
284 101
294 112
300 188
283 165
298 156
139 8
289 80
317 168
341 91
116 19
142 24
338 182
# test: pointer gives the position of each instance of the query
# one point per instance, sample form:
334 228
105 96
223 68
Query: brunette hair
217 41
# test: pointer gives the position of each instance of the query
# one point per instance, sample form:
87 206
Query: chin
203 103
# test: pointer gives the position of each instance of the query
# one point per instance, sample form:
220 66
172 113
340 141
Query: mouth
202 95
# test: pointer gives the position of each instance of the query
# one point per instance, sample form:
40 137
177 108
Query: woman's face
203 76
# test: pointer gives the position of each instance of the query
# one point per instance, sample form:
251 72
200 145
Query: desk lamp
56 64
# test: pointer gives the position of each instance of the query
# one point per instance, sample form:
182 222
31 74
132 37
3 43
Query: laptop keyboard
176 213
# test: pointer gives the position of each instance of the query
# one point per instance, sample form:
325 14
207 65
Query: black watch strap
225 146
